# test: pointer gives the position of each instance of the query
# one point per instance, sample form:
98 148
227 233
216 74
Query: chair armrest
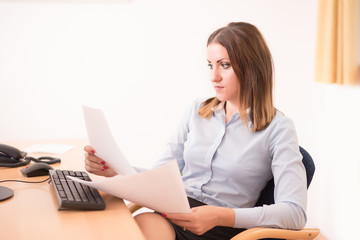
133 207
258 233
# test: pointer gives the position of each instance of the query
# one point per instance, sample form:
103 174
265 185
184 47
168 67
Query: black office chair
267 197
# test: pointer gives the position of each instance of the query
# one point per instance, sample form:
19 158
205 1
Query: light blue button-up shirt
226 164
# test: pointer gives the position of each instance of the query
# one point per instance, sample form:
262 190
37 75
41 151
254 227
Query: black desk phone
13 157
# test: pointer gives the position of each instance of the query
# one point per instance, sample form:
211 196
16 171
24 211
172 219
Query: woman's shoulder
282 130
197 103
280 116
192 108
281 121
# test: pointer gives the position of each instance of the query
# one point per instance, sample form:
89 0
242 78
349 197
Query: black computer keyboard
74 195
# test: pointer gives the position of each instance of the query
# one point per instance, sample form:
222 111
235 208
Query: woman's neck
230 109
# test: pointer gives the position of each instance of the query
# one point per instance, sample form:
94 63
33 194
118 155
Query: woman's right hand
96 165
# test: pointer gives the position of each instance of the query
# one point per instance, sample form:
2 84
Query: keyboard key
62 194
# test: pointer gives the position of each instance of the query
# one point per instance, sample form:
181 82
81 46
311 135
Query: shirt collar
221 106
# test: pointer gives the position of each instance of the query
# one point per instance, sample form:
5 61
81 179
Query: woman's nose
215 75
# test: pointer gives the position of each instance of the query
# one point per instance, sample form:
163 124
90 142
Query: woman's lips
218 88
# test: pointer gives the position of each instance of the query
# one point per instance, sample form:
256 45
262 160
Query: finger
94 160
95 168
94 163
180 219
182 223
89 149
100 173
179 216
110 172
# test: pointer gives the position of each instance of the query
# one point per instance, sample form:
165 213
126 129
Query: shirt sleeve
290 191
174 149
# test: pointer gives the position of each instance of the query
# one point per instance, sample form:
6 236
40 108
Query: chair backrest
267 194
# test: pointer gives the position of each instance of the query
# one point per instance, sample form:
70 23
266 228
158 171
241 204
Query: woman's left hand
203 218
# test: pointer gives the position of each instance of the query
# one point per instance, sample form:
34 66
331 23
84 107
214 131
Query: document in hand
160 189
102 140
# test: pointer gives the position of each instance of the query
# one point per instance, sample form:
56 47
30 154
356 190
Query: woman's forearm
225 217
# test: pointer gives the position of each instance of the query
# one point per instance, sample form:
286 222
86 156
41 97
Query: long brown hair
252 63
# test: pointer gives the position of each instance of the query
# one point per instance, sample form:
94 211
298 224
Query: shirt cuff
246 217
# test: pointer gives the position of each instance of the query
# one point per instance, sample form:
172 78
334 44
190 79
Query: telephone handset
13 157
11 152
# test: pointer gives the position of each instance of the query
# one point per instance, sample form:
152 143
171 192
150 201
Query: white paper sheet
48 148
160 189
101 139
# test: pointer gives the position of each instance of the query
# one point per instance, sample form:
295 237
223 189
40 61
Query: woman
228 147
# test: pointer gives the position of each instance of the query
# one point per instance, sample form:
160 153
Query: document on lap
160 189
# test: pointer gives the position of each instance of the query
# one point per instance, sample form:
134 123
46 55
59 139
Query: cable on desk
10 180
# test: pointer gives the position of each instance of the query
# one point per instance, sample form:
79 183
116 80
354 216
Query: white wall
144 61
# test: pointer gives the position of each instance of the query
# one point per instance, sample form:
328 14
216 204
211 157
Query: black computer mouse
36 169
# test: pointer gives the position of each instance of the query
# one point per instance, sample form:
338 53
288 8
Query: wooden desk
32 212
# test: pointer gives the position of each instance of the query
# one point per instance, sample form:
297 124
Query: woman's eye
225 65
210 66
